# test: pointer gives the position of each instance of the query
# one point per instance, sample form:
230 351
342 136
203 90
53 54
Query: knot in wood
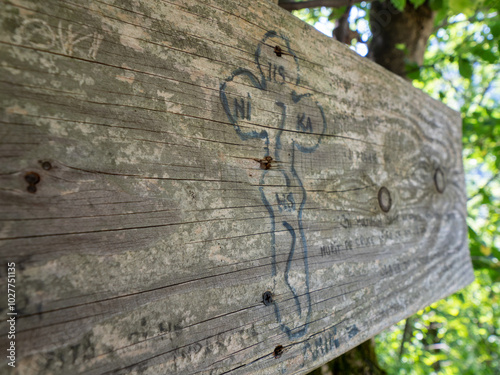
384 199
439 180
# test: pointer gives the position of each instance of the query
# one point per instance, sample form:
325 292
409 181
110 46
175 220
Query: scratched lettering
363 156
336 248
320 345
63 38
389 270
382 238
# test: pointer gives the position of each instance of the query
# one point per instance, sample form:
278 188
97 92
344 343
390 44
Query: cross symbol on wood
265 104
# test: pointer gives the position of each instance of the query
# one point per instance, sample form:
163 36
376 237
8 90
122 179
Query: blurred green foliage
461 69
459 334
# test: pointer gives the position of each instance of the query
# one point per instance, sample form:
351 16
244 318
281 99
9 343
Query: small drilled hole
278 51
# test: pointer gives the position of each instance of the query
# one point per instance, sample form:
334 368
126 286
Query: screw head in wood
46 165
278 351
278 51
31 189
267 298
32 178
384 199
266 163
439 180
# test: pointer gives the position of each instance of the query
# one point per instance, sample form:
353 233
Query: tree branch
341 32
407 334
493 178
294 5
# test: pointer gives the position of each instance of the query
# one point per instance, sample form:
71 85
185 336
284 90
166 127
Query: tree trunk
361 360
391 28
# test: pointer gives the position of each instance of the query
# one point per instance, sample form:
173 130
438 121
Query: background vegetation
460 334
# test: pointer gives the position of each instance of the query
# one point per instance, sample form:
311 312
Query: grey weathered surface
159 223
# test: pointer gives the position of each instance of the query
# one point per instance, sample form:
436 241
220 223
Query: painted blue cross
300 126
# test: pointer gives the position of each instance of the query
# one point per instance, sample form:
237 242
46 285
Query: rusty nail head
32 178
46 165
278 51
278 351
384 199
266 163
439 180
267 298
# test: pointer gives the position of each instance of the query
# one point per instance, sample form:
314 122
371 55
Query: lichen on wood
167 164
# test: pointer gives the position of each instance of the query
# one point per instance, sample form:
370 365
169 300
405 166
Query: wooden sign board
212 187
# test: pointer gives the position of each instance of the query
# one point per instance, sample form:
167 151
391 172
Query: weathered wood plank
187 166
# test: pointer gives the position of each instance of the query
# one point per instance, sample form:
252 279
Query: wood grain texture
187 165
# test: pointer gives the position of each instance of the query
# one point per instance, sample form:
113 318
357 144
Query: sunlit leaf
486 251
460 6
417 3
399 4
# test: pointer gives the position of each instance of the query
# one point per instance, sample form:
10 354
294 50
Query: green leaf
495 29
336 13
465 68
484 54
412 70
460 6
399 4
417 3
437 5
494 274
441 15
494 4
